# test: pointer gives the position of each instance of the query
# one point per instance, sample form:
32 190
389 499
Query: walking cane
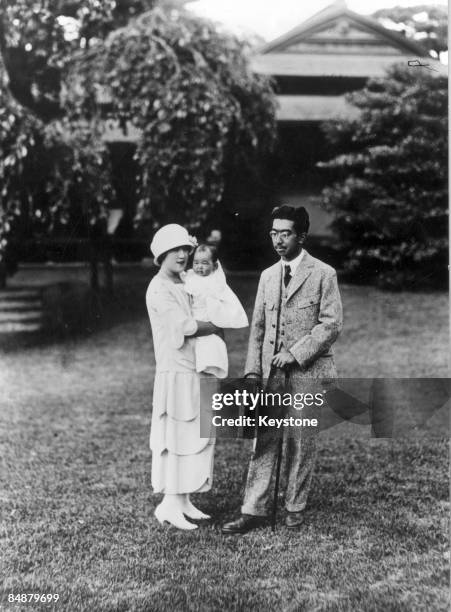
278 465
276 484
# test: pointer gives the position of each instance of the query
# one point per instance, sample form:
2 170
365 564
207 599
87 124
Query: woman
182 461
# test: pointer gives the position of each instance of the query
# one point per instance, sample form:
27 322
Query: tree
390 194
428 24
51 175
191 92
201 112
38 37
54 172
18 132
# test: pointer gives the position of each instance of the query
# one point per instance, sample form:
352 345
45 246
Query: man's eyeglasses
284 234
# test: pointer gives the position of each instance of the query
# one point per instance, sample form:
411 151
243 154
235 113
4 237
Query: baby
212 300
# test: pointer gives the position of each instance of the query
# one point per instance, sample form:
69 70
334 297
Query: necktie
287 276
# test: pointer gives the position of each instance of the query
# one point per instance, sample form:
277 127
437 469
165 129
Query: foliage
31 39
19 134
390 197
51 174
190 91
78 184
428 24
201 96
54 170
38 37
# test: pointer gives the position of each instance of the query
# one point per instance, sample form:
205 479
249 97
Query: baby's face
203 264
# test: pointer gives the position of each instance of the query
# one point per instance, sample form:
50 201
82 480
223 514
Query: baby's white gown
213 300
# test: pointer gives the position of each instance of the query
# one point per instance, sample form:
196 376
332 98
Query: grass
77 504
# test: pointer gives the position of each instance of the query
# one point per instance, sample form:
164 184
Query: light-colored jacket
313 320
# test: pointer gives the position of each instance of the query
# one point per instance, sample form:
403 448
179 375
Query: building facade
313 67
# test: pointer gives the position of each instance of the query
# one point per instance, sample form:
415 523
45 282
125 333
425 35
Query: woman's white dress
182 461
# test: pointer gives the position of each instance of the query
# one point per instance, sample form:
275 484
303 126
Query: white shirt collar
294 263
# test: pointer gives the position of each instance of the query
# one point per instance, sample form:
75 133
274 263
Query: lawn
77 505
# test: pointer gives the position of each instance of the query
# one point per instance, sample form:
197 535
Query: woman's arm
179 324
205 328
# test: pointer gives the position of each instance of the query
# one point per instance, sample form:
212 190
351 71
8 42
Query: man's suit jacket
313 320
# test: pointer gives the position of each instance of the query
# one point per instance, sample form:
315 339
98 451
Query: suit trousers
299 450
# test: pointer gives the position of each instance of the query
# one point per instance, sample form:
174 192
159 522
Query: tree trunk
2 276
4 84
108 265
94 265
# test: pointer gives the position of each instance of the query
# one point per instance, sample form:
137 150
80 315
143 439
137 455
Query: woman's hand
205 328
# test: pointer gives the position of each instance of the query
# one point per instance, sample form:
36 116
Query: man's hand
253 382
282 359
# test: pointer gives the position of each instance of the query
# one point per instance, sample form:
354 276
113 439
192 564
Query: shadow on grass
73 310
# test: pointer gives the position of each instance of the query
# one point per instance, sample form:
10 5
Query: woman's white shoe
194 513
175 518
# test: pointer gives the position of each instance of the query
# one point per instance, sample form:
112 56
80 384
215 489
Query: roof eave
319 18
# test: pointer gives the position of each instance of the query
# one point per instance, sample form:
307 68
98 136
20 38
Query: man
297 317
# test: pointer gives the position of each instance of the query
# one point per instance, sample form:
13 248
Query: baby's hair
202 248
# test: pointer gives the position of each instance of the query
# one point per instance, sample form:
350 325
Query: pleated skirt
182 461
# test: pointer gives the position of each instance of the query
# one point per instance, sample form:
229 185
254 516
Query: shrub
390 196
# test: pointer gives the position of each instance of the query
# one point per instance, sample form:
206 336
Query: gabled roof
324 19
335 43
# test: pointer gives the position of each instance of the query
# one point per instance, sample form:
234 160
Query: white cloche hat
170 237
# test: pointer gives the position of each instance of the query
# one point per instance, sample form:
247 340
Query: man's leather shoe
294 520
245 523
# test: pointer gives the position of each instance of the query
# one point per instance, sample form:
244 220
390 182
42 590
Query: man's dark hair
208 247
298 215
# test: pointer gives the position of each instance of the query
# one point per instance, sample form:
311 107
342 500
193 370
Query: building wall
296 178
